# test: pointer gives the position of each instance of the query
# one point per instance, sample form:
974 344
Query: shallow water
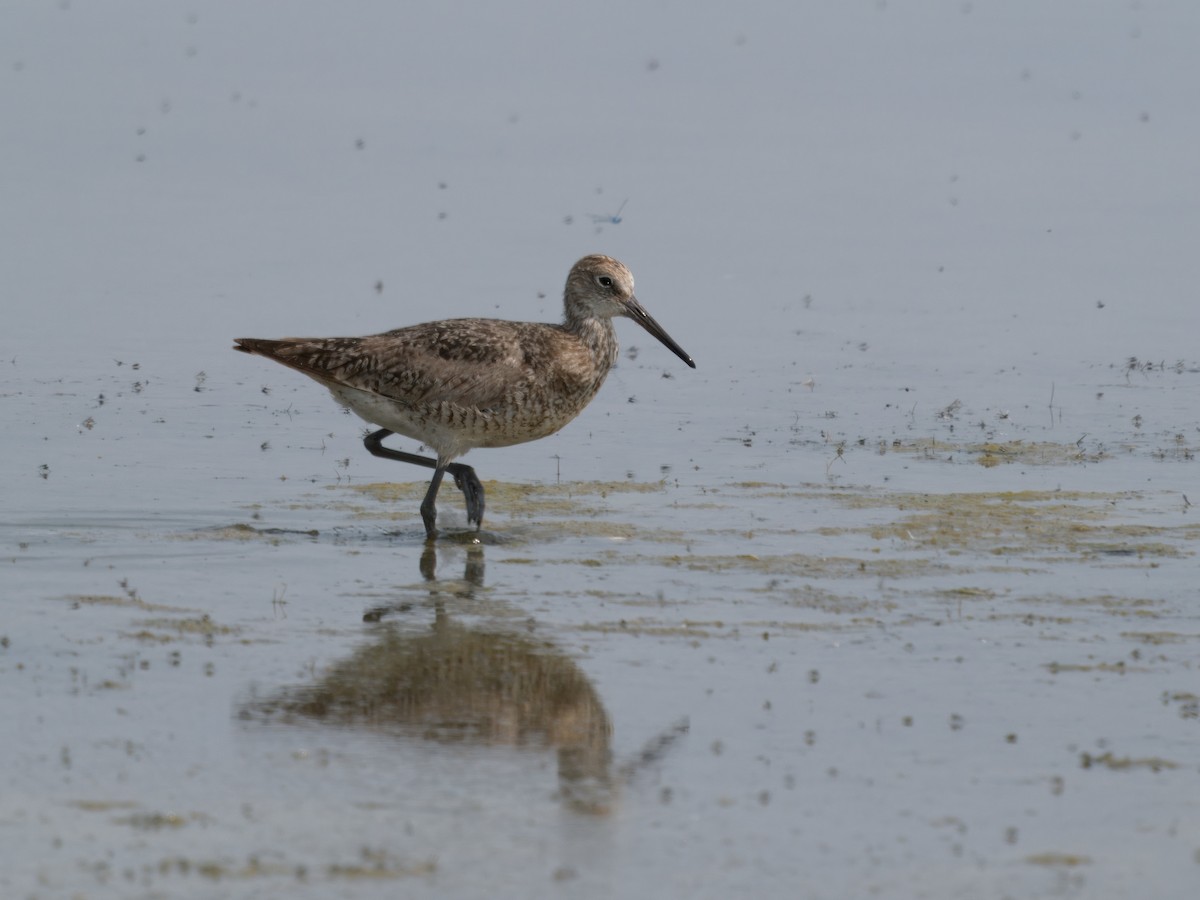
894 594
939 666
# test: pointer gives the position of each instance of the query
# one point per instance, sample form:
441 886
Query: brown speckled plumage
464 383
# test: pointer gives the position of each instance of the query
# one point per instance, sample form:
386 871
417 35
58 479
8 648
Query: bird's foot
468 482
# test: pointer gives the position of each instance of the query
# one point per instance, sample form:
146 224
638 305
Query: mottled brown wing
477 363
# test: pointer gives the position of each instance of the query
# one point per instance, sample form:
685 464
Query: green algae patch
505 492
698 630
1014 524
1119 667
378 865
158 821
529 512
389 491
1158 638
1125 763
240 531
515 513
1021 524
803 564
538 531
995 453
1037 453
168 631
966 593
374 865
1111 604
102 805
201 625
655 628
130 600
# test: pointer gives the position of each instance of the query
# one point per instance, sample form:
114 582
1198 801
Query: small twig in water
841 448
610 219
277 601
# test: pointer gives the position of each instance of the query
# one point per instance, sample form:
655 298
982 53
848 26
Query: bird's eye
604 281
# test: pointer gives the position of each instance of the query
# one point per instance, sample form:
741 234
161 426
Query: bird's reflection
455 683
472 569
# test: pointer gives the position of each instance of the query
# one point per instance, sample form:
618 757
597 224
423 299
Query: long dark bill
638 313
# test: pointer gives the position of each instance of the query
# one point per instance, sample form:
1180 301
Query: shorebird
458 384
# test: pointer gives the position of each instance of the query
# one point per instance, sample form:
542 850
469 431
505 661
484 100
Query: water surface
894 594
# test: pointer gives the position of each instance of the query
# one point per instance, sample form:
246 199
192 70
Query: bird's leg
468 482
374 444
428 510
464 478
